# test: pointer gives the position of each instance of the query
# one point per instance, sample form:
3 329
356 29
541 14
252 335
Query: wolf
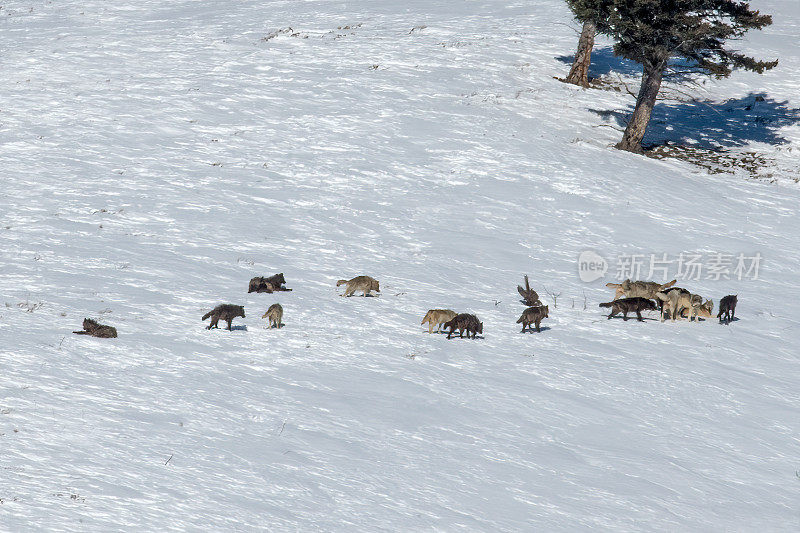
675 301
643 289
700 308
274 314
727 308
359 283
271 284
437 317
464 322
661 300
90 327
226 312
533 315
630 305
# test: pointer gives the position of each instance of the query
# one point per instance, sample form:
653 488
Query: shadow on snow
712 125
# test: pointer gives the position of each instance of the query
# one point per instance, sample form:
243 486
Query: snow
156 156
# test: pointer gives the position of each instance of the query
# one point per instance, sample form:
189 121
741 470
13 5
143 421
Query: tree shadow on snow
713 125
605 62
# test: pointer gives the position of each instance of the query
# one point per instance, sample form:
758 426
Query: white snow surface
157 155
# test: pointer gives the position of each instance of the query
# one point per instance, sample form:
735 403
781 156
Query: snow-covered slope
157 155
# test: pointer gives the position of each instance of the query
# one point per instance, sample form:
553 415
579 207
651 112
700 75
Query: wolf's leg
639 316
537 326
228 320
625 315
349 291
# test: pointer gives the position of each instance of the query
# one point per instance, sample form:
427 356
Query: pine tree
579 73
651 32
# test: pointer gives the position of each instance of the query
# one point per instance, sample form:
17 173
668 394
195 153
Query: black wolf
464 322
90 327
630 305
271 284
226 312
727 308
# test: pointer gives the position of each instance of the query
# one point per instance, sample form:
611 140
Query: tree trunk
579 73
637 125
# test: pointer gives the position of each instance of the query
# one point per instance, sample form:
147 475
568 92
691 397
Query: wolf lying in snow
90 327
271 284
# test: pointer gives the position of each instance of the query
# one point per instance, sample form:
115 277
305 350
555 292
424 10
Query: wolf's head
546 311
650 305
239 311
374 285
88 324
280 279
479 329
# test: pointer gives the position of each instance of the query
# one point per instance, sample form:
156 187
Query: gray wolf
641 289
630 305
727 308
271 284
529 296
533 315
464 322
274 314
226 312
359 283
90 327
437 317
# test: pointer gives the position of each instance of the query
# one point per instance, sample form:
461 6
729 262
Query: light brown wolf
533 315
676 301
359 283
437 317
274 314
639 289
91 327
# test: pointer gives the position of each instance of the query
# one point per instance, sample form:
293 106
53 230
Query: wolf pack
630 297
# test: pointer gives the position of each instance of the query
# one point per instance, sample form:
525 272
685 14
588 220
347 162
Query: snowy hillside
157 155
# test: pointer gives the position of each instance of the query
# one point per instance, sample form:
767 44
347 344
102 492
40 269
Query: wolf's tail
341 282
207 315
519 321
607 304
427 317
614 285
668 285
81 332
